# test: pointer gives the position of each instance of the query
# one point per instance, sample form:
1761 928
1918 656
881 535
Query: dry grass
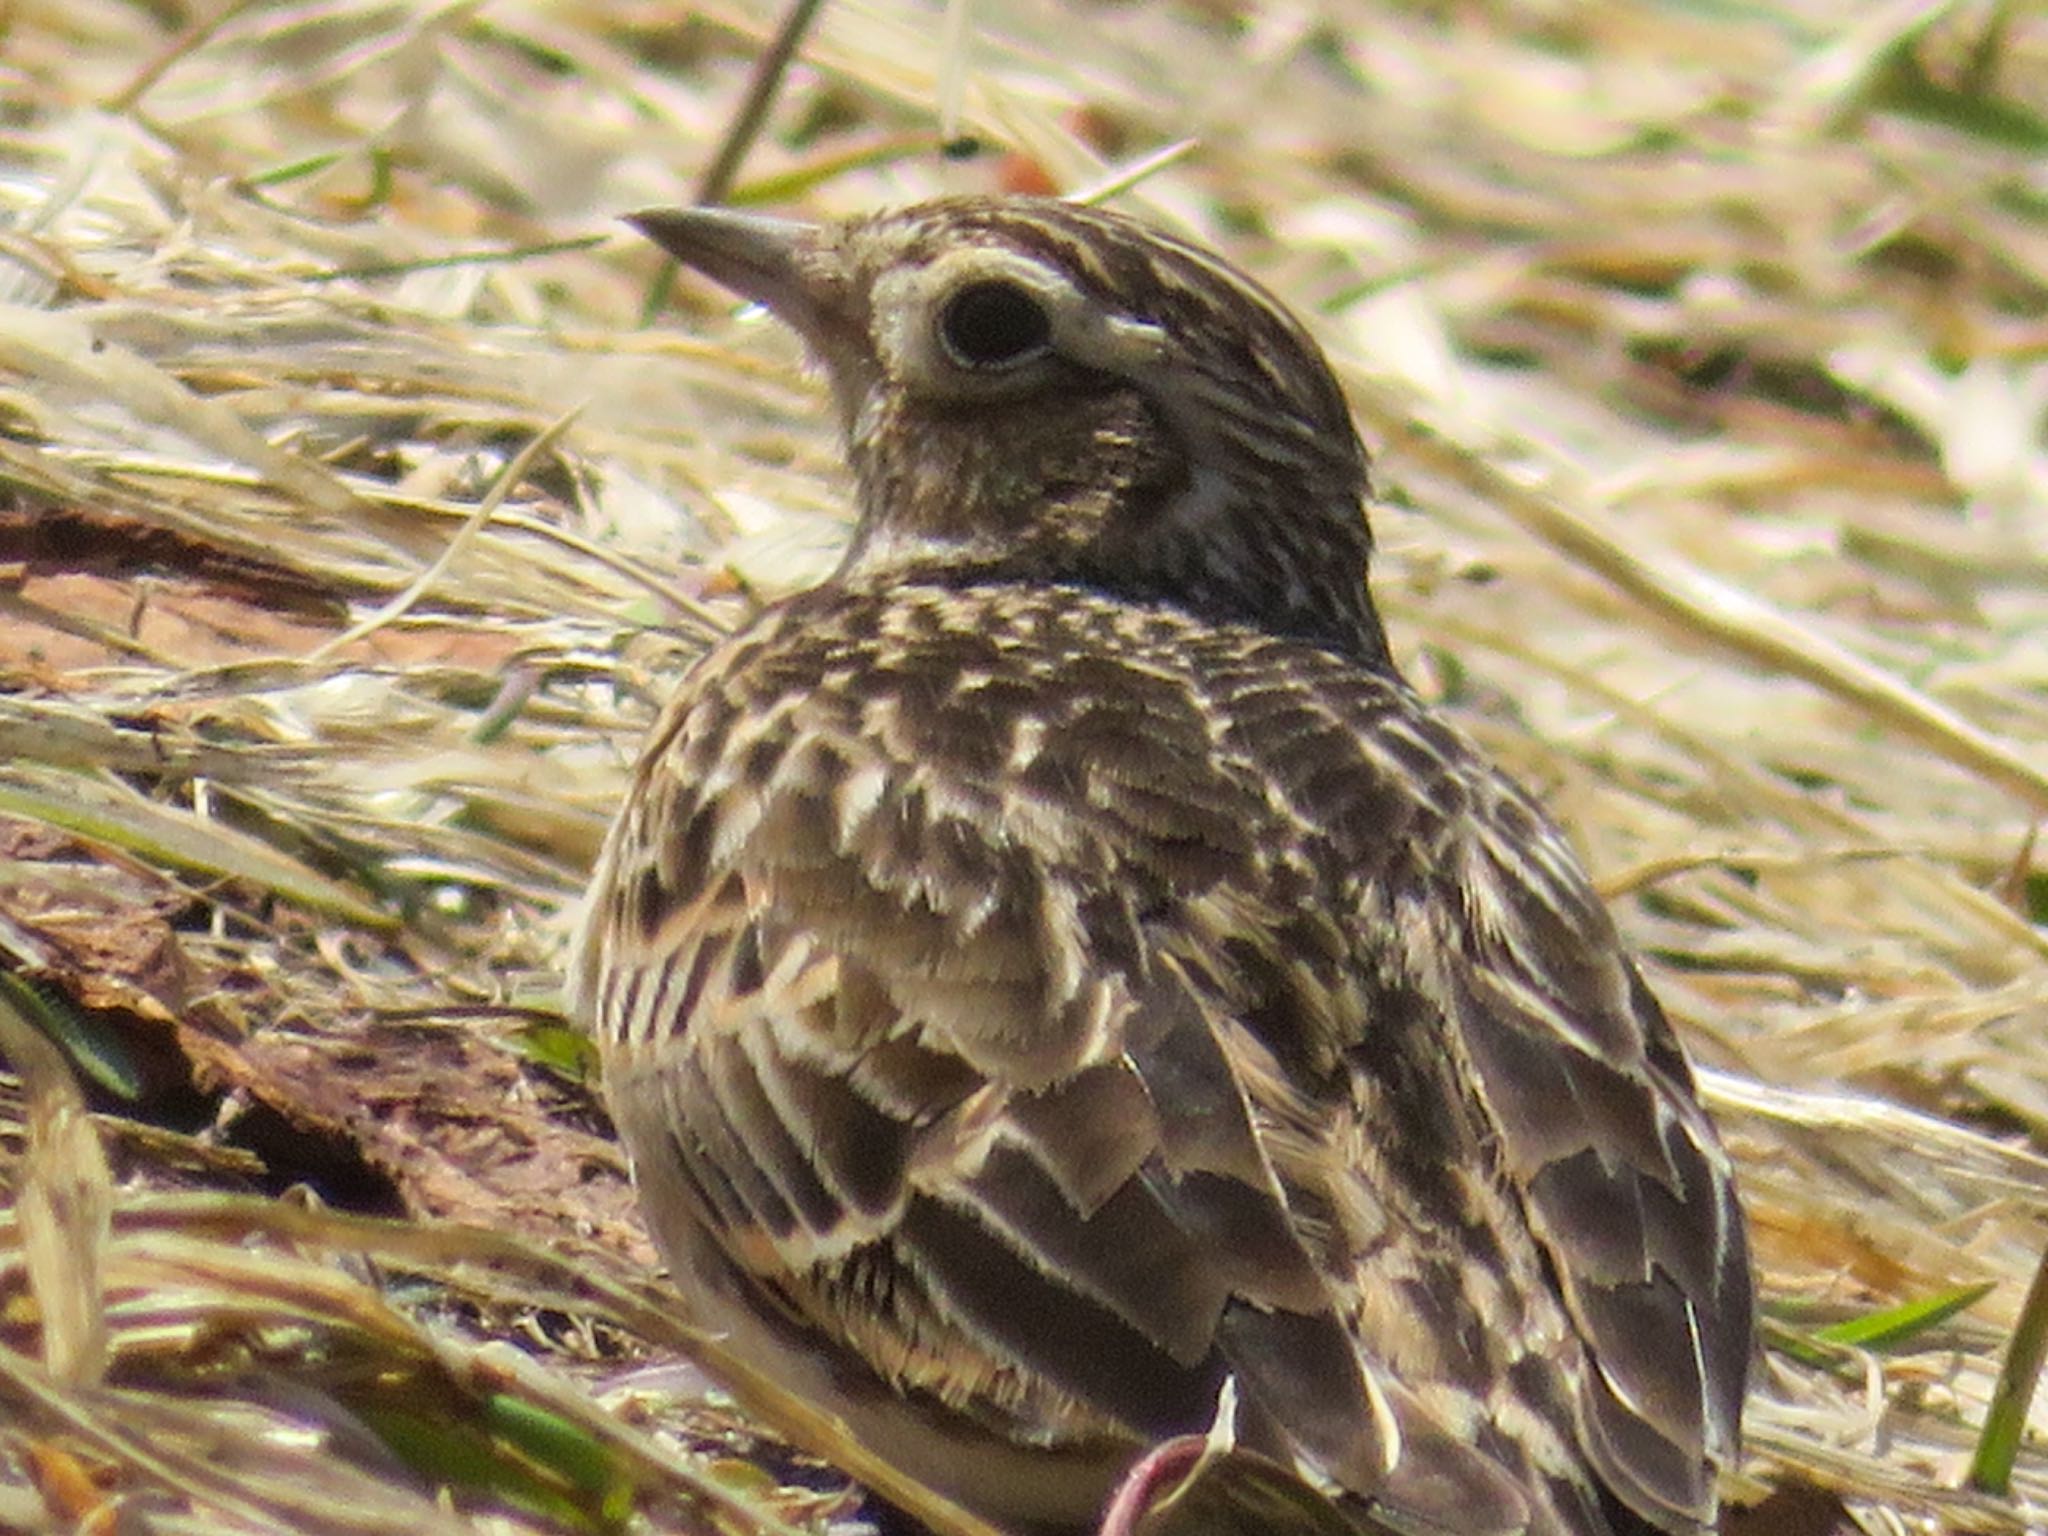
350 522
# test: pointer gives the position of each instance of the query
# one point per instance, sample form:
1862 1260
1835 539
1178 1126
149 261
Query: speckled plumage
1058 965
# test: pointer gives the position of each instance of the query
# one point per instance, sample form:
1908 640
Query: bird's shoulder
1162 730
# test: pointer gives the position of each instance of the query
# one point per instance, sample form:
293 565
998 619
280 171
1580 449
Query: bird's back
1027 1009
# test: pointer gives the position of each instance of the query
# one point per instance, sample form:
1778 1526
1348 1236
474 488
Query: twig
746 125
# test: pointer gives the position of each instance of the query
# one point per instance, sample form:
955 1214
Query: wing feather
1623 1179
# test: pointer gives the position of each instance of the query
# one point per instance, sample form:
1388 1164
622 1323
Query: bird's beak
757 258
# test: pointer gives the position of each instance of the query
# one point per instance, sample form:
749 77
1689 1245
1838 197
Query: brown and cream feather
1058 967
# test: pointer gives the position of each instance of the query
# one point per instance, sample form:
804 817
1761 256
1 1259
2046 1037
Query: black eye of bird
994 324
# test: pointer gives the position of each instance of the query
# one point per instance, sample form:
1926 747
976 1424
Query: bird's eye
994 325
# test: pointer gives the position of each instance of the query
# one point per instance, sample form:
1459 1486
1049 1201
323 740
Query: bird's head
1039 390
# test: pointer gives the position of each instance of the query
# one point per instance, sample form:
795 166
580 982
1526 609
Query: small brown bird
1055 978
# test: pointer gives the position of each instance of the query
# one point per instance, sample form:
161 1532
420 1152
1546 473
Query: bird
1061 989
